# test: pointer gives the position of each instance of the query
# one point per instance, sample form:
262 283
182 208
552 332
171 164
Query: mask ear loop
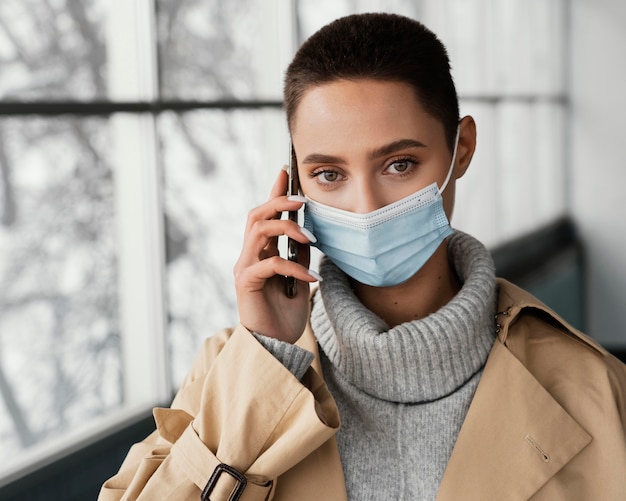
456 145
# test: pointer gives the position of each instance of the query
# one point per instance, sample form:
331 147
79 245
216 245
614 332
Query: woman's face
364 144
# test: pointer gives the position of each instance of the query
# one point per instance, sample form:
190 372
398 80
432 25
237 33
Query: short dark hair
377 46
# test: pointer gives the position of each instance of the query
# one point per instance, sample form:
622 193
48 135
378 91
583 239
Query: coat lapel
515 436
319 475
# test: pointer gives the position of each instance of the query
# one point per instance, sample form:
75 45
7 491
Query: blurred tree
59 334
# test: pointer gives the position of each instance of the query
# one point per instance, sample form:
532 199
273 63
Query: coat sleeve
238 407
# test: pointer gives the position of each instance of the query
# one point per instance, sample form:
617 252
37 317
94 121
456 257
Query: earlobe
467 145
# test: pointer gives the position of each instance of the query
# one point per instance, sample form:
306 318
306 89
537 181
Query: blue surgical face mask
388 246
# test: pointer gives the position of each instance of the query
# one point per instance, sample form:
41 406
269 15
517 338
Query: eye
326 176
401 166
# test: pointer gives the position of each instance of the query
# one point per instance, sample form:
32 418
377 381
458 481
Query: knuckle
273 261
258 227
241 277
237 269
255 211
254 215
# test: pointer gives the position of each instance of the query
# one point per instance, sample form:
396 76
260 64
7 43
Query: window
59 323
136 136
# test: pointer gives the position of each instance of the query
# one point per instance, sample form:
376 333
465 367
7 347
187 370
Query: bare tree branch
21 51
18 417
95 58
9 207
206 163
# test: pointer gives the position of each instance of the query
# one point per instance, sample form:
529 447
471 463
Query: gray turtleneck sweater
403 392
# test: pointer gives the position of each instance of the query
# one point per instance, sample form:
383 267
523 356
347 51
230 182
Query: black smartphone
293 188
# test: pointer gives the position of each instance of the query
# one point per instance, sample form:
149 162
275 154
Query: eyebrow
401 144
387 149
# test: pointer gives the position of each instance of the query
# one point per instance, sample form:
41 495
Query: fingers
277 203
273 209
280 184
259 260
264 224
263 234
253 278
260 271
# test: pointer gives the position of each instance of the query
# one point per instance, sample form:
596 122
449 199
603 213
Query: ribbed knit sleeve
297 360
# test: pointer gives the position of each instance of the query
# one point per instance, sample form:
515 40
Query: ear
467 145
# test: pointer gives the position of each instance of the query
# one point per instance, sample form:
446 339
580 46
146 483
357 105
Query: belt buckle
217 473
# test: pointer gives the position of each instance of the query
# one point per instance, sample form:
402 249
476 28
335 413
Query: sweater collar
417 361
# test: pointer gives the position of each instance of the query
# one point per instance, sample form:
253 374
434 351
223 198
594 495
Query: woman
436 398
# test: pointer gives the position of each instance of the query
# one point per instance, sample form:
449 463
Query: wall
597 159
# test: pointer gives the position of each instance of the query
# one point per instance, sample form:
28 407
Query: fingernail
297 198
308 234
285 168
316 275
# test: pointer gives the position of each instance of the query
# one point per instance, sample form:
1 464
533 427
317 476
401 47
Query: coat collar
515 436
512 301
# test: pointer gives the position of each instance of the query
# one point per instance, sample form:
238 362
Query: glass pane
476 207
52 49
529 54
503 48
516 181
548 124
517 169
206 48
513 47
59 336
313 15
217 166
466 28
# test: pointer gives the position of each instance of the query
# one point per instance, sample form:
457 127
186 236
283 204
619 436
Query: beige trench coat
547 422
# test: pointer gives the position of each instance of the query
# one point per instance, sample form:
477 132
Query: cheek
448 199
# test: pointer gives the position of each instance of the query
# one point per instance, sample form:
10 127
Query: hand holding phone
265 277
293 188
